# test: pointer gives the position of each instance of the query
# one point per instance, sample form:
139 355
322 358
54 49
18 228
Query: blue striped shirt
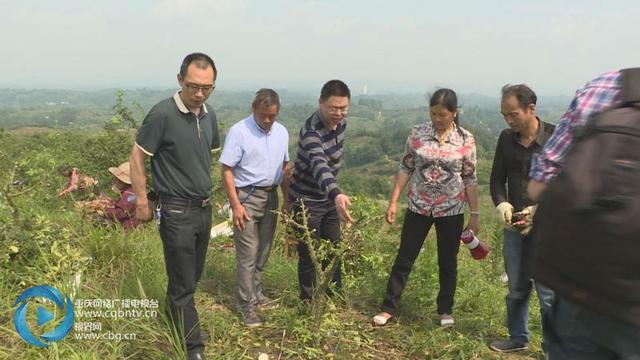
318 160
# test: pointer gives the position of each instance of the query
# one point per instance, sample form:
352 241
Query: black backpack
587 226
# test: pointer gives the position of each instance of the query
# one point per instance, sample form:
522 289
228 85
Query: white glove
505 210
529 212
527 215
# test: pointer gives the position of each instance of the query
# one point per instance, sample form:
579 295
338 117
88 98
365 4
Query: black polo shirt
180 146
511 164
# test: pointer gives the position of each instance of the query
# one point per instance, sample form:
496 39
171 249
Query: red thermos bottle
479 249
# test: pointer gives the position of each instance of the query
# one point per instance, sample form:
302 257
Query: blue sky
390 46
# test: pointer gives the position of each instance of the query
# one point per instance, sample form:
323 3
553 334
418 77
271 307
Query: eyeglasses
338 110
195 88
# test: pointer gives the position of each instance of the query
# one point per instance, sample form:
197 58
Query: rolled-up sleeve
498 178
408 162
546 165
594 97
469 162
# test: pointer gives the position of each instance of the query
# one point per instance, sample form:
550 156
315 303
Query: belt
192 203
271 188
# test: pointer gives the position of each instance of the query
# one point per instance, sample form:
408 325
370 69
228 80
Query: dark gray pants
324 221
254 244
184 230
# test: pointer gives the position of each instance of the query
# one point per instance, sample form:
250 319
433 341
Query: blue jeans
575 332
518 252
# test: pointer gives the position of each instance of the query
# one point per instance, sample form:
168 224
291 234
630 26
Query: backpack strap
631 85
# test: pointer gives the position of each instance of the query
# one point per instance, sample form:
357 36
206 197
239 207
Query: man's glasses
195 88
338 110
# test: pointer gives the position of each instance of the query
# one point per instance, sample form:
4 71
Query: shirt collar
540 136
254 123
454 136
322 124
182 107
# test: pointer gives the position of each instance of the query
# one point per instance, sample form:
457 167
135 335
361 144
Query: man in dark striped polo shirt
313 181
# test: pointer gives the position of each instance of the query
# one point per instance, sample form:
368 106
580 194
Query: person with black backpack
586 226
516 145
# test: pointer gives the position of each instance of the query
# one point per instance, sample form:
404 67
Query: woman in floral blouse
439 165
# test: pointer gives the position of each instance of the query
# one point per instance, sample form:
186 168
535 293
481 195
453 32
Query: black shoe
508 345
204 335
251 319
198 355
264 300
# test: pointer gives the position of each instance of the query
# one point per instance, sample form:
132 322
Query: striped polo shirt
318 160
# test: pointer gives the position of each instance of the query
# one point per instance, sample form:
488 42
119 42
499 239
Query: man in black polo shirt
179 135
525 136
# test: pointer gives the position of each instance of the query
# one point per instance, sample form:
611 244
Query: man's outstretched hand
342 206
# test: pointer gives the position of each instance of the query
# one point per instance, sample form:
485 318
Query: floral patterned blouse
439 172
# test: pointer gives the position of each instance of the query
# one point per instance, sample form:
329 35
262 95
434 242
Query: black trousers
185 230
324 221
414 231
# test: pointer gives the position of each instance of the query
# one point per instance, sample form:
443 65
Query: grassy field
45 241
117 265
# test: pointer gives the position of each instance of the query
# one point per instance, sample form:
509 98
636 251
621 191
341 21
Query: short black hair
268 97
522 93
334 88
201 59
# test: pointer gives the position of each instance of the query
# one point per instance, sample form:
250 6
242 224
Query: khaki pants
254 244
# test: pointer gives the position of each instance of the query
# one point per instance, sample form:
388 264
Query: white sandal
381 320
